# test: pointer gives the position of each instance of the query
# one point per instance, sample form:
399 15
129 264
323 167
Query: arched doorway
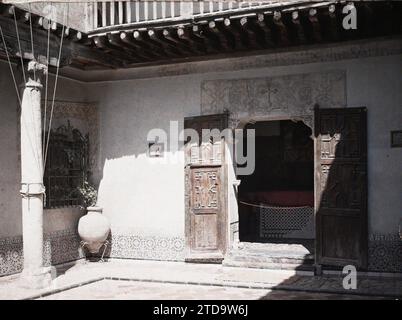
276 202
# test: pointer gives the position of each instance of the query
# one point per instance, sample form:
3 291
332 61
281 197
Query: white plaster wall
149 199
138 196
10 200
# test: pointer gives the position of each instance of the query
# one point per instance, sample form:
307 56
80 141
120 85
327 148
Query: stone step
267 265
270 259
273 254
270 256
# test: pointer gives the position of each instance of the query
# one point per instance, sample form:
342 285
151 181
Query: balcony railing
109 14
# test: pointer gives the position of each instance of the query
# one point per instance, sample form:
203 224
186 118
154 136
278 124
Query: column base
36 278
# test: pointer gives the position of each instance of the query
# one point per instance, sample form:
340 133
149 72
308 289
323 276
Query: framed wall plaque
155 149
396 139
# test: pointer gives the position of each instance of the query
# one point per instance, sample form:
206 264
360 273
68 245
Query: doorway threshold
283 256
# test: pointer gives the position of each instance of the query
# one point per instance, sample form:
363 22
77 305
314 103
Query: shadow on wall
140 194
342 212
341 178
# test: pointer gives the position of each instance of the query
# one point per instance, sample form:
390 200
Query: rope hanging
55 85
32 43
46 93
270 207
45 142
12 72
10 65
19 46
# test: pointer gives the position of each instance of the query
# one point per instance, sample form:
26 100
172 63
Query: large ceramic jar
94 229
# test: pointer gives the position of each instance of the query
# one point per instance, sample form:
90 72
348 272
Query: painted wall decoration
84 117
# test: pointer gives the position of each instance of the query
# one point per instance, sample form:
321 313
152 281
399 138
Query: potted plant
93 227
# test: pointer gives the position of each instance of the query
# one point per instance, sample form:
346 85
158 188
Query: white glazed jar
94 229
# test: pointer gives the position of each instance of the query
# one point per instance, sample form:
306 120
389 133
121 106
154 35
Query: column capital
35 71
34 66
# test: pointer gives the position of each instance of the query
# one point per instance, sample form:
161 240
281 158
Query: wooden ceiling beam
85 53
114 40
193 41
169 48
222 39
315 25
265 29
210 43
172 38
128 40
7 10
143 39
101 42
234 33
331 23
281 30
250 33
299 32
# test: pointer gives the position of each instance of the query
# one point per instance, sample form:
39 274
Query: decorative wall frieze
58 247
11 255
62 246
385 252
146 247
283 97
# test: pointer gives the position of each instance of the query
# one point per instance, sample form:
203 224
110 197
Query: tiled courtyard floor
177 280
127 290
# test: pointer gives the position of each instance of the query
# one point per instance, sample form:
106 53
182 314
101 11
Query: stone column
34 274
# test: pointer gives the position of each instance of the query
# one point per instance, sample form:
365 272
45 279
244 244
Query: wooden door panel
206 191
342 249
205 228
341 186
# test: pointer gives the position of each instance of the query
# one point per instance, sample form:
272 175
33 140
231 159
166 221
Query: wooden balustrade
115 13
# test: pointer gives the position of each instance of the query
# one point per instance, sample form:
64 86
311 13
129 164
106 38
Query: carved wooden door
206 190
341 187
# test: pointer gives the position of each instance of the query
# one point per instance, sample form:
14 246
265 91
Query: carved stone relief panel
290 96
